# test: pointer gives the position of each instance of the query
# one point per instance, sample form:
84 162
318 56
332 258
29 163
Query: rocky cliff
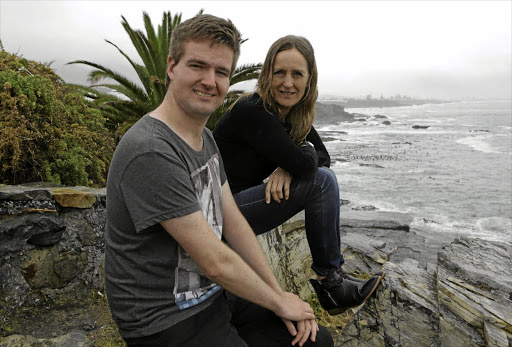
331 114
436 293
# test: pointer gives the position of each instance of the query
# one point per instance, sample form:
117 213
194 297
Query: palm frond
126 101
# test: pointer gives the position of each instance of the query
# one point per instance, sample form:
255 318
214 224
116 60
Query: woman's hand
278 185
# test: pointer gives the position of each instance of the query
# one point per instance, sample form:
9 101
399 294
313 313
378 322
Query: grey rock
37 229
404 312
464 301
24 193
73 339
421 126
375 219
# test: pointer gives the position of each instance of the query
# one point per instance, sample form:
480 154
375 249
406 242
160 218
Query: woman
270 134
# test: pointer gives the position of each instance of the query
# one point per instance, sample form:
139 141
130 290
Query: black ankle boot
337 293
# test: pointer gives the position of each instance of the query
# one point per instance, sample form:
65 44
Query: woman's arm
267 135
324 159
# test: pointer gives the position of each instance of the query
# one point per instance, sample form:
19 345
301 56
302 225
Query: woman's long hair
301 115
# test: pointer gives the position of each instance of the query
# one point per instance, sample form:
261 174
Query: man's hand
293 309
278 185
305 329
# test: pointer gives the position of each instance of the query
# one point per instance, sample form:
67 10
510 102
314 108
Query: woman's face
290 78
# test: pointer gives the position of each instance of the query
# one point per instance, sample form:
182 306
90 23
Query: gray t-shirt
151 282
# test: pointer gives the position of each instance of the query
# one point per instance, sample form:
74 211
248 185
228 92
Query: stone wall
51 261
436 292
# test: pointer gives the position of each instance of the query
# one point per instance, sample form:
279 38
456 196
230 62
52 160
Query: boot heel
335 311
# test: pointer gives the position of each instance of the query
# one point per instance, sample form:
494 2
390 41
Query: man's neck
189 128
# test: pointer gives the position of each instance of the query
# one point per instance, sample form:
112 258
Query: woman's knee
323 339
326 178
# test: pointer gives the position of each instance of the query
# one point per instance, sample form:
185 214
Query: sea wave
490 228
483 143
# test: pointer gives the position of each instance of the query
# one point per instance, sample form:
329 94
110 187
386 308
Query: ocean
449 165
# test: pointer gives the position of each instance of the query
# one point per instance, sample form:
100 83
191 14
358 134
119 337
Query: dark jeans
319 197
229 322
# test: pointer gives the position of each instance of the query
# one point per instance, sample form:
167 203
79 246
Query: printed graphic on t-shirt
190 284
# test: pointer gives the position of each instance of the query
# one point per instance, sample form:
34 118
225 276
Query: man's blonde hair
205 27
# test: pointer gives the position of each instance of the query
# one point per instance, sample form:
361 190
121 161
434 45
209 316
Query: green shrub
48 132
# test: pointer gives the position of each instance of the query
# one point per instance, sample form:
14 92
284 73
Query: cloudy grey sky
440 49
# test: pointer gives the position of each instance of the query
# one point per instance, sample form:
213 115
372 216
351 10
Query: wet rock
479 131
373 165
421 126
364 208
386 122
344 202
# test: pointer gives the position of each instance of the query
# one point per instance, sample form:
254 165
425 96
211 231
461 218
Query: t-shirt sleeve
157 187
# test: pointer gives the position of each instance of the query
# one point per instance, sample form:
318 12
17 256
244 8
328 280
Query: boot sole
338 310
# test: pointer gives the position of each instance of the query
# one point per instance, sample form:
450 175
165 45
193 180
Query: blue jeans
319 197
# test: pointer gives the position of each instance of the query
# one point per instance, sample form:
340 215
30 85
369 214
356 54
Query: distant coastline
382 102
332 110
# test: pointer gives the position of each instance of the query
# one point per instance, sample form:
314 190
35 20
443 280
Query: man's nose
208 78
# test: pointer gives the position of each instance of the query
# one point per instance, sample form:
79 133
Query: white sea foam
491 228
482 143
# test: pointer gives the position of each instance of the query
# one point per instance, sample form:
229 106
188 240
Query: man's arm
241 238
226 268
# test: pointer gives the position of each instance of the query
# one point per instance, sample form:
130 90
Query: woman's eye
297 73
279 72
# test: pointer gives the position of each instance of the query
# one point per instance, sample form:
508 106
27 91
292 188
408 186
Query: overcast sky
440 49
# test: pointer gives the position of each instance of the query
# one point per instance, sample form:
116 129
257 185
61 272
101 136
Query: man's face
200 80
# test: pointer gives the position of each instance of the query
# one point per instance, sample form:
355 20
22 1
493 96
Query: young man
168 209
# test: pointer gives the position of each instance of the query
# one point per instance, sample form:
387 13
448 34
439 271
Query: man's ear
171 64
